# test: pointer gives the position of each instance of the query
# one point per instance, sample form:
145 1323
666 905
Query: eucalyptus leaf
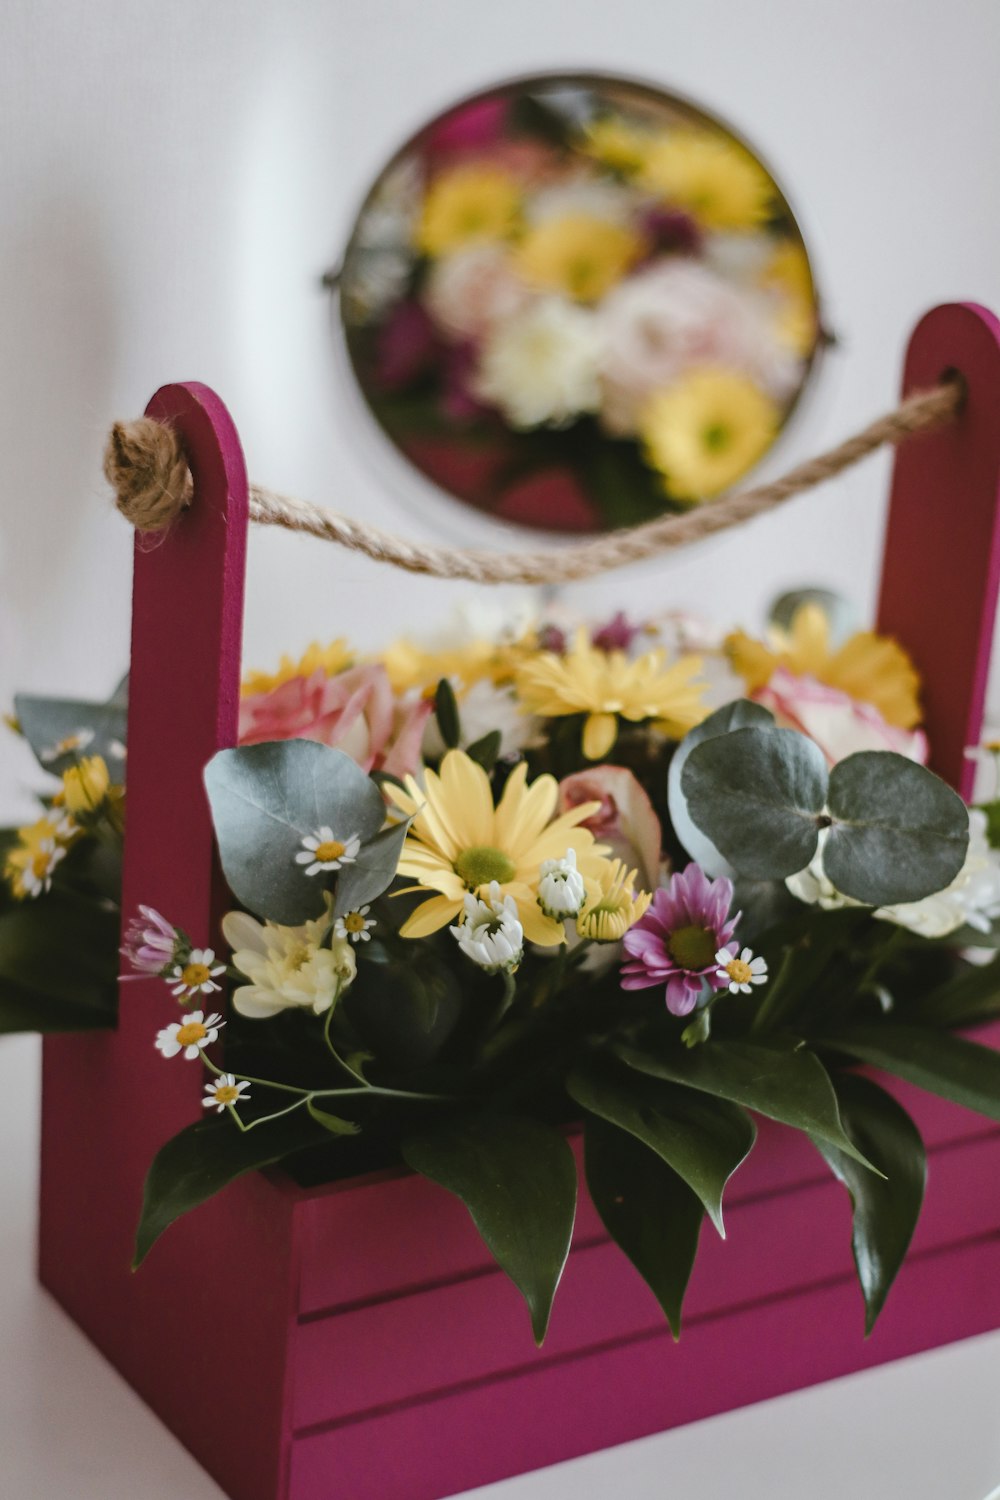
265 800
758 794
446 713
946 1065
887 1207
785 1082
486 750
206 1157
899 832
702 1140
517 1178
742 714
333 1123
47 722
648 1210
373 870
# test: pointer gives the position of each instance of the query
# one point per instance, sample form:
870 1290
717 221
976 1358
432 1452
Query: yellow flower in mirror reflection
871 668
714 179
606 686
331 659
788 274
705 430
618 145
581 255
468 205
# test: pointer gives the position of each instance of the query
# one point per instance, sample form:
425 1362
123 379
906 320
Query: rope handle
145 464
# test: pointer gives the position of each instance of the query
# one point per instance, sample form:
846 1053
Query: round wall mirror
575 302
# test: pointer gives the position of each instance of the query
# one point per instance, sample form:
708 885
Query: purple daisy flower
677 940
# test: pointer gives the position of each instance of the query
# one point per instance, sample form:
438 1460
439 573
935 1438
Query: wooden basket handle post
941 567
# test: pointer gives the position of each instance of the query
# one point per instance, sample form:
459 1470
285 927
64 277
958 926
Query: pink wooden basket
373 1350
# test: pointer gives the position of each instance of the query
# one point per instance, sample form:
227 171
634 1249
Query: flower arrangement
485 889
579 304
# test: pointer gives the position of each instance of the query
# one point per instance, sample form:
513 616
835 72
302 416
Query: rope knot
146 468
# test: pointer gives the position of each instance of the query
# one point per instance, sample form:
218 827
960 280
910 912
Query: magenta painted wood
942 544
374 1351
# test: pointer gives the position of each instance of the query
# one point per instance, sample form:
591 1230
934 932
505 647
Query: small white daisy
224 1091
37 876
355 925
117 750
740 973
190 1036
197 975
72 744
321 851
561 891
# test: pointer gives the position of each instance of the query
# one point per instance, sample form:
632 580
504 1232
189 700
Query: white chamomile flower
196 975
190 1036
561 890
740 973
490 933
223 1092
321 851
71 744
355 925
37 875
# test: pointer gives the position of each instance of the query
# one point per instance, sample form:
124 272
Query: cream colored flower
286 966
541 368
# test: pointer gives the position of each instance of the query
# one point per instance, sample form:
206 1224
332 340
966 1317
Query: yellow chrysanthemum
618 145
606 686
712 178
612 905
579 255
460 842
705 430
86 785
871 668
331 659
412 667
788 273
468 205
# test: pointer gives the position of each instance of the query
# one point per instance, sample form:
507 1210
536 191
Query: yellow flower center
716 437
739 972
225 1093
481 864
330 849
354 922
195 974
40 865
692 947
191 1032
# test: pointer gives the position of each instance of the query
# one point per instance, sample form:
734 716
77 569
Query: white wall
173 180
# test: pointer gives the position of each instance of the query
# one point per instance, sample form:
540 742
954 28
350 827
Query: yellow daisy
86 785
612 905
618 145
468 205
705 430
332 659
410 666
29 865
580 255
460 842
714 179
606 686
871 668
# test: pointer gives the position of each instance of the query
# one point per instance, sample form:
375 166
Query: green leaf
58 964
205 1158
886 1208
265 799
373 871
648 1210
702 1141
333 1123
758 795
45 722
973 995
446 713
486 750
899 833
946 1065
787 1083
743 714
517 1178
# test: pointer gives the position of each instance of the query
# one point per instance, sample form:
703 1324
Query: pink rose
839 724
625 819
356 711
470 291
